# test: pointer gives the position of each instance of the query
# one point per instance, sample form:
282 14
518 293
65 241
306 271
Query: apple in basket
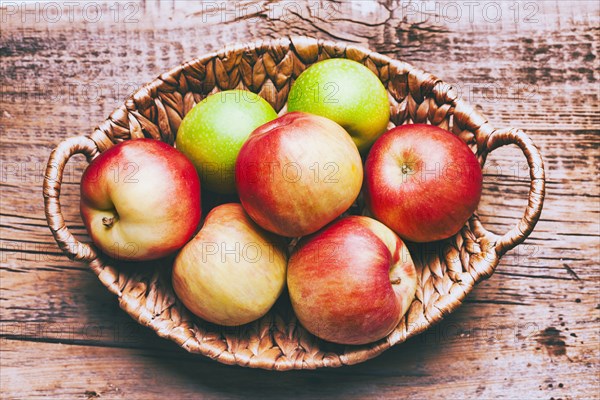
140 200
213 132
232 271
422 181
297 173
346 92
352 281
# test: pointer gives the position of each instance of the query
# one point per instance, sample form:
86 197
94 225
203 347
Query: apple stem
108 221
396 281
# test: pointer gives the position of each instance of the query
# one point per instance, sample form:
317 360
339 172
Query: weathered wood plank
528 283
531 330
423 367
548 82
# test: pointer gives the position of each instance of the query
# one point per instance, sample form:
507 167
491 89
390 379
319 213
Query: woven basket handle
59 157
537 188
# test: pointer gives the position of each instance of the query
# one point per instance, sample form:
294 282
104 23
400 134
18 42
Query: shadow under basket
447 270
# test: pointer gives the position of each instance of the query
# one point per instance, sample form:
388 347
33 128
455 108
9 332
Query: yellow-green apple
297 173
212 133
232 271
352 281
346 92
140 200
422 181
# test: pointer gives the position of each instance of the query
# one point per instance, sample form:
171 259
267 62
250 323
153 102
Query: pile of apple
350 278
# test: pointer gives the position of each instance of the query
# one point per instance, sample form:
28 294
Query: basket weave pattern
447 270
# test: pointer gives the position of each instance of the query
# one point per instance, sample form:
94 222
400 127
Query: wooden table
530 331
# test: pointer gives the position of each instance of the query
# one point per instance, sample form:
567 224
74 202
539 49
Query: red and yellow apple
422 181
352 281
297 173
140 200
232 271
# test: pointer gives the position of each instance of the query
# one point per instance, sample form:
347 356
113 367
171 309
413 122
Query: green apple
346 92
213 132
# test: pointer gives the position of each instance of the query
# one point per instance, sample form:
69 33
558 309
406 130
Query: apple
351 282
232 271
140 200
346 92
212 133
297 173
422 181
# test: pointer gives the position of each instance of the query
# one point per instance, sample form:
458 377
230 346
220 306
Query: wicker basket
447 270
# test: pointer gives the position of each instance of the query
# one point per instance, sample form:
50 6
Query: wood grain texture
532 330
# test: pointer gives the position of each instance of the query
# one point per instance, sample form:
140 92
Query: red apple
140 200
233 271
422 181
351 282
297 173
